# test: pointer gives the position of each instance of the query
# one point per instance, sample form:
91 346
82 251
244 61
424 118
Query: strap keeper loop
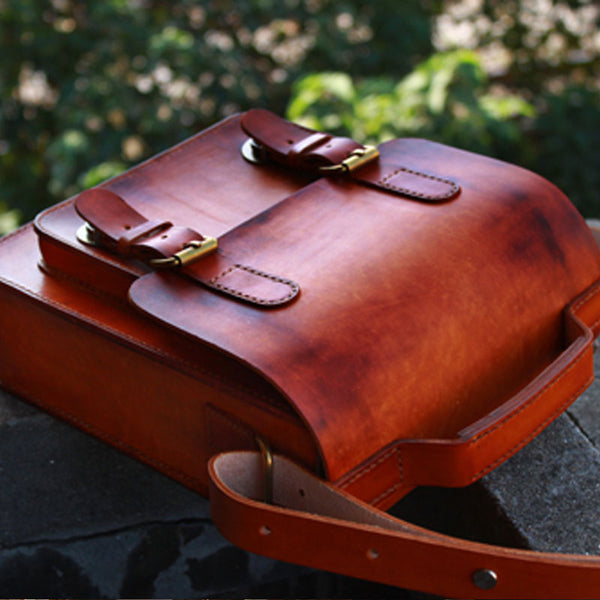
140 232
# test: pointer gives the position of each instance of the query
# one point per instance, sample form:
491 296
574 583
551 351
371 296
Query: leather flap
414 319
203 184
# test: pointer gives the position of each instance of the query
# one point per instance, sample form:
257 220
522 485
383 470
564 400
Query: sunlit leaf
102 172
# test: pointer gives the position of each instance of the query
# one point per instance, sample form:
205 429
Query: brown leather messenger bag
308 328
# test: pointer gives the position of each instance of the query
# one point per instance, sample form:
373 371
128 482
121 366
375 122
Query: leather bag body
390 318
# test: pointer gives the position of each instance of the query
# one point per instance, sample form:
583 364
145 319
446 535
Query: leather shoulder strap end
314 524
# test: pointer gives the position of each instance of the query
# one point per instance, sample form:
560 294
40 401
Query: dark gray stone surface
550 491
58 468
80 520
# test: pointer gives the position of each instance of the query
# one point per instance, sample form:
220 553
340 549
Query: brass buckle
191 252
267 466
357 159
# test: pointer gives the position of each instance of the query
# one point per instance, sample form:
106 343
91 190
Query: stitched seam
368 468
530 402
396 486
454 187
292 285
400 465
385 494
593 325
526 440
587 298
124 336
596 322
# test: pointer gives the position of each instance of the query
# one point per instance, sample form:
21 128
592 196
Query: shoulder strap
315 524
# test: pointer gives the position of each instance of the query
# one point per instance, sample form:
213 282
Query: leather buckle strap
275 139
293 145
117 226
358 158
113 224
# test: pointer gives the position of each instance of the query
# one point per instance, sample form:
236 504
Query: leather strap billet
301 148
118 227
317 525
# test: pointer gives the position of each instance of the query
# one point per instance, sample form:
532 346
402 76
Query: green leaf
318 90
507 107
102 172
9 219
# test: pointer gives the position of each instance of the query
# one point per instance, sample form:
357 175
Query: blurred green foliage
449 98
89 88
445 98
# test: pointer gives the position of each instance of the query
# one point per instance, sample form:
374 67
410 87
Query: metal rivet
253 153
88 236
372 554
264 530
485 579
